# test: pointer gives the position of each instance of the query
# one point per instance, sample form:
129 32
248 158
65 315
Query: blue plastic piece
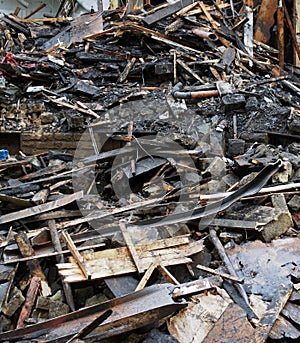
3 154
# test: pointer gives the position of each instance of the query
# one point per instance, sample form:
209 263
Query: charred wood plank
43 172
7 218
15 23
27 251
265 20
221 251
60 259
165 12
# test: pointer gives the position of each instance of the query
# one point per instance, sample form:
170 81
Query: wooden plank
190 71
43 172
4 165
73 107
127 69
130 245
268 320
85 25
265 20
35 11
292 30
28 212
113 262
280 34
103 214
60 259
167 275
248 27
76 255
32 292
297 10
165 12
146 276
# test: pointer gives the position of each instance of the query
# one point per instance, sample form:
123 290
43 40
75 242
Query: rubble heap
177 217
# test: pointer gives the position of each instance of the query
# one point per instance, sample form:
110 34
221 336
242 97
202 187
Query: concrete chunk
294 203
14 303
281 223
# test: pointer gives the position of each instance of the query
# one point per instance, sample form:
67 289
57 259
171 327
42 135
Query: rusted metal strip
250 188
90 327
129 312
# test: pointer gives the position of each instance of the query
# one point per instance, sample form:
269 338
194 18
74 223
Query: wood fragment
107 262
35 11
27 251
130 246
7 218
228 264
167 275
248 27
78 258
166 11
127 70
73 107
268 320
223 275
190 71
232 326
280 34
146 276
265 20
29 301
90 327
60 259
292 29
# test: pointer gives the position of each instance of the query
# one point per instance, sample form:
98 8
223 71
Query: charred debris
158 199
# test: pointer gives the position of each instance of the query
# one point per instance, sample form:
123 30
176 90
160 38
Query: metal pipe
179 94
204 34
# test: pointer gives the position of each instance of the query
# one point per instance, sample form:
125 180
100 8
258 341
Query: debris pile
177 217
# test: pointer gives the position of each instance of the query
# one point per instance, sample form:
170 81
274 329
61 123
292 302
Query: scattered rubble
155 194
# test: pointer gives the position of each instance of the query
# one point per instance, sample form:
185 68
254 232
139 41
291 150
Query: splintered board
113 262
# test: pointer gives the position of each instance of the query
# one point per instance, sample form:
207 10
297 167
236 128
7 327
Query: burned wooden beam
7 218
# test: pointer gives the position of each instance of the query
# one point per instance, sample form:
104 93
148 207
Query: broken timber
7 218
112 262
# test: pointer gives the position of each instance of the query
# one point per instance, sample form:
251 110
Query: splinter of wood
225 259
223 275
130 246
78 258
26 251
60 259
